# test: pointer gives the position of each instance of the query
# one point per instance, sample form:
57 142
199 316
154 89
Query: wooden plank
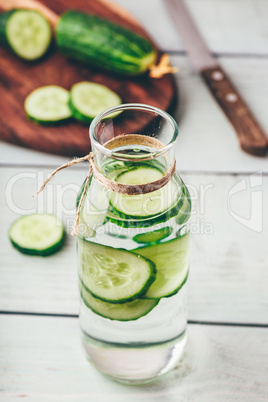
19 79
229 228
34 283
41 359
233 27
207 141
229 277
237 26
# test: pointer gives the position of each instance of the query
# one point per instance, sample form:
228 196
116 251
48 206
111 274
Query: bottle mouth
113 112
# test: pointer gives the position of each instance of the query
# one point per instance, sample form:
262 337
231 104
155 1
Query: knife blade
251 136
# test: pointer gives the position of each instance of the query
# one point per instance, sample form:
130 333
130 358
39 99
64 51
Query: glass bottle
133 249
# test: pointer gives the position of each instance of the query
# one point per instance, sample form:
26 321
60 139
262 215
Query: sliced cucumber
48 104
37 234
113 168
172 263
26 32
185 209
113 275
144 205
120 312
154 236
94 209
88 99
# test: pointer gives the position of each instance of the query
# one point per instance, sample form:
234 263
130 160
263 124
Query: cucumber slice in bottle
37 234
94 210
172 264
27 33
154 236
185 209
88 99
129 311
48 104
144 205
113 275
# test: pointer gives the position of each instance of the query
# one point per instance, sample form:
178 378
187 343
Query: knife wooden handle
251 136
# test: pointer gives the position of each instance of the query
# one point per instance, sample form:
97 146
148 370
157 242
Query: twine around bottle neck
126 189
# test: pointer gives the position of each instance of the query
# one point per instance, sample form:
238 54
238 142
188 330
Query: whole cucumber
104 44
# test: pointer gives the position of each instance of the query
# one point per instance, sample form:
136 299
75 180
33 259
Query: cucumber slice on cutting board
26 32
172 264
121 312
48 104
153 236
144 205
37 234
88 99
113 275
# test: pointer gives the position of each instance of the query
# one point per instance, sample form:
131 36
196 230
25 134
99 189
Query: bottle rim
139 107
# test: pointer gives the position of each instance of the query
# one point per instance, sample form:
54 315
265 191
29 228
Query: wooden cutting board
18 78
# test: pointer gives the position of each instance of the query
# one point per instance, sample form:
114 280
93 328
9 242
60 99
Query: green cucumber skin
175 291
79 116
49 123
172 293
79 195
126 167
128 221
4 17
132 297
184 215
54 248
163 233
42 253
102 43
114 319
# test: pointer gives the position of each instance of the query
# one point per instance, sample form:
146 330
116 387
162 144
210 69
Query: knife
251 136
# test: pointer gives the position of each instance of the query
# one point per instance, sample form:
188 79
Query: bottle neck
131 151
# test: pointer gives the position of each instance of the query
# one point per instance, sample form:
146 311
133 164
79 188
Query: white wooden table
226 358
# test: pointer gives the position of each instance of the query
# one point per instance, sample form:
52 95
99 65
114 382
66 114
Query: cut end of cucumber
148 61
48 104
28 34
37 234
88 99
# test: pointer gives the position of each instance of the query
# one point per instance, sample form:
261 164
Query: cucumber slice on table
172 263
26 32
37 234
121 312
113 275
48 104
153 236
88 99
144 205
